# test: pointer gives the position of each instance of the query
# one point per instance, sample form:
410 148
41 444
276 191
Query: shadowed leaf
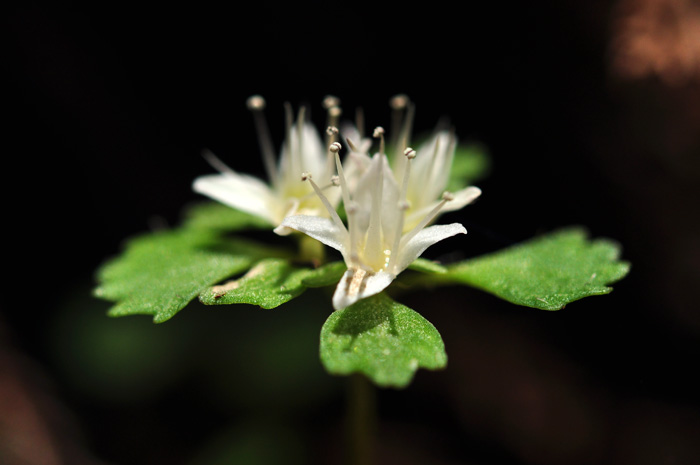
382 339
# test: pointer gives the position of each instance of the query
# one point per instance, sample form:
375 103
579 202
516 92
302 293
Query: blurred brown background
590 111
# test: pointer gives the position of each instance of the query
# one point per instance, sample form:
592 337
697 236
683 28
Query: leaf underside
547 272
382 339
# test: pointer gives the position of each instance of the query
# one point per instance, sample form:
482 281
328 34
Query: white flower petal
242 192
462 198
424 239
321 229
356 284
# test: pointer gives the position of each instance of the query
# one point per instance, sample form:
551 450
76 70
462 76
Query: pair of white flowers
388 205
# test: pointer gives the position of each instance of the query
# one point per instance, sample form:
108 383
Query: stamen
403 205
398 104
216 162
331 211
401 141
295 155
332 133
288 123
379 134
312 194
360 121
256 104
350 206
330 101
446 197
374 230
333 117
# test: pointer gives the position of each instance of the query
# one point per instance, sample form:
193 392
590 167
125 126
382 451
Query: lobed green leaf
219 217
272 282
160 273
546 272
382 339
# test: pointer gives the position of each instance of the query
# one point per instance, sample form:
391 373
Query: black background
109 108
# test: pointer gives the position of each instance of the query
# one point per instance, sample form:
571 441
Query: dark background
110 105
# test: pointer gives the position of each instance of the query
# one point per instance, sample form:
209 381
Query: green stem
311 250
362 420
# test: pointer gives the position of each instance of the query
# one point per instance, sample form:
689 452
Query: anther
409 153
399 102
305 176
335 147
330 101
334 112
255 102
447 196
331 130
335 180
404 205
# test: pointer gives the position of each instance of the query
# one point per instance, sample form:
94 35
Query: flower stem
311 250
361 420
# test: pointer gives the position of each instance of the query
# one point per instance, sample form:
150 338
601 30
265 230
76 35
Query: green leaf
427 266
160 273
547 272
382 339
272 282
219 217
471 163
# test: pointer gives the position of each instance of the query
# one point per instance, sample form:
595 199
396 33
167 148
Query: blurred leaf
271 283
381 339
160 273
254 443
216 216
125 360
546 272
427 266
471 163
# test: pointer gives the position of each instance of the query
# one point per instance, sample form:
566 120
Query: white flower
375 244
286 194
431 169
